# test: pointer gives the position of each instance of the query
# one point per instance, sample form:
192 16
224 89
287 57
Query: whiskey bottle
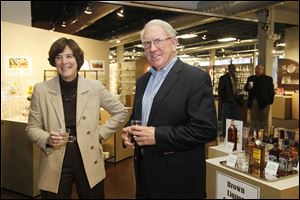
258 158
249 152
232 134
295 152
285 160
281 139
274 152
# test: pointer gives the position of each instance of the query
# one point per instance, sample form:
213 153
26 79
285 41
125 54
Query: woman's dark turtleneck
69 99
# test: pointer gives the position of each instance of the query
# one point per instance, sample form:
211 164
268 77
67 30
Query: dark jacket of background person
225 89
184 116
263 90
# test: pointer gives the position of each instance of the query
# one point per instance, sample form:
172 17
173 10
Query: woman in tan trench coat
70 101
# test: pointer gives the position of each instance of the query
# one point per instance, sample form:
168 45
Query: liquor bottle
271 132
274 152
281 139
249 152
261 135
246 138
258 157
294 152
285 160
232 134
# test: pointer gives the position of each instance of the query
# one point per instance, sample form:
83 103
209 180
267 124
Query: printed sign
228 187
239 126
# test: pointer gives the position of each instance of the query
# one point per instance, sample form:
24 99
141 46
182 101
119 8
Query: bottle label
256 154
273 158
285 164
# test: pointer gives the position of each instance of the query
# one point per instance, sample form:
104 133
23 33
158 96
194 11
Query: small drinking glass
65 135
134 123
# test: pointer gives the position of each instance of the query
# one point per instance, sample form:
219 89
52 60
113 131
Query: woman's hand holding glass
59 137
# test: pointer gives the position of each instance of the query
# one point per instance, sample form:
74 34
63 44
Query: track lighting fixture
88 9
121 13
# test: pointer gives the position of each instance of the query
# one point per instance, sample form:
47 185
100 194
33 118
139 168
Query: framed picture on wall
97 65
18 65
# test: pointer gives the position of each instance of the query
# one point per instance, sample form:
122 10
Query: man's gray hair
170 31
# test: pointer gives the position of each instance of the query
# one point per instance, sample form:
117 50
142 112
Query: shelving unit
114 78
90 74
127 80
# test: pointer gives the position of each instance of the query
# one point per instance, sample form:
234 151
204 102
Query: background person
227 90
261 93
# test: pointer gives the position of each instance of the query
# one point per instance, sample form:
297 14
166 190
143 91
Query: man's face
231 69
159 48
259 70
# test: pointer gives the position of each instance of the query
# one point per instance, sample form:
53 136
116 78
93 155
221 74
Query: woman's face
66 64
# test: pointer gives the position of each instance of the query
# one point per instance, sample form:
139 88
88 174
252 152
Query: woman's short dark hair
59 45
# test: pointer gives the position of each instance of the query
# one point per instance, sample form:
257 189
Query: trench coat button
95 162
92 147
83 117
88 132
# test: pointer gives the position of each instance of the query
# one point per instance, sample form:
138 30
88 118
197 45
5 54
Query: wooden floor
118 184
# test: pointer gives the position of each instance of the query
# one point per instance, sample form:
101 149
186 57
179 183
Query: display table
284 188
217 151
19 159
281 107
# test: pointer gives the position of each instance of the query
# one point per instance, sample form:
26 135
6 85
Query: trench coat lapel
82 97
56 99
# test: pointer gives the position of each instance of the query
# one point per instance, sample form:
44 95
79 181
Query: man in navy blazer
175 103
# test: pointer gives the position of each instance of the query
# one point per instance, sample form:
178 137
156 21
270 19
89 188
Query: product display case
223 182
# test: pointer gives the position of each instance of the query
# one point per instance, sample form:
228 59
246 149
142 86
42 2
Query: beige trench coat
46 114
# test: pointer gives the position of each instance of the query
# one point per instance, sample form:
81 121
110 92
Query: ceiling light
280 45
204 37
180 47
52 29
139 45
121 13
75 20
229 39
187 36
184 56
64 24
118 40
88 10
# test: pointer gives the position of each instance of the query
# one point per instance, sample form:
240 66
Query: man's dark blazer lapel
164 89
139 95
